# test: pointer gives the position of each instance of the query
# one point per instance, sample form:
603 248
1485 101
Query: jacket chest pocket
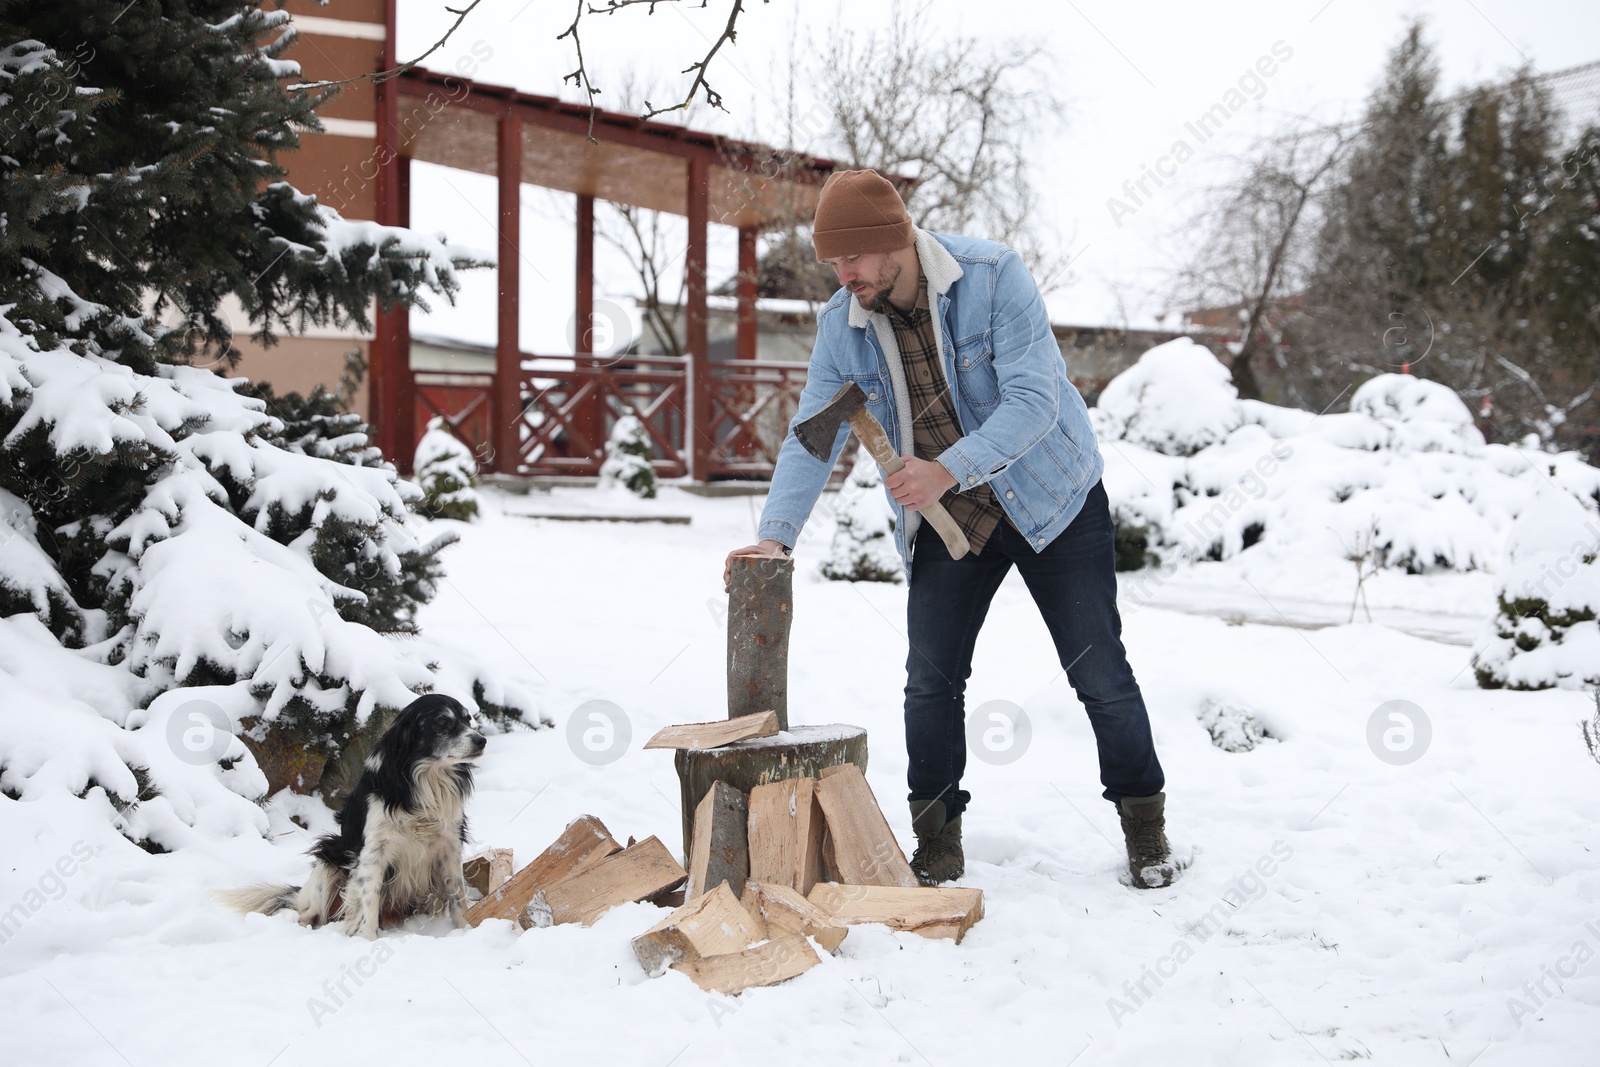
876 393
975 374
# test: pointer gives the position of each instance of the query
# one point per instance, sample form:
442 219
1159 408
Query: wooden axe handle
870 431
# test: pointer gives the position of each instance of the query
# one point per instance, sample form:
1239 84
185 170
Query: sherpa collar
939 269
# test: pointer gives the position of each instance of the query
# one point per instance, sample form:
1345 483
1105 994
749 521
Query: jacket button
872 395
971 478
1010 495
1040 541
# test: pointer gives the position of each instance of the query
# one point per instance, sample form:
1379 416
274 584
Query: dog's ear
393 759
401 739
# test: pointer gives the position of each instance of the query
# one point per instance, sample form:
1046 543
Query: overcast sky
1131 75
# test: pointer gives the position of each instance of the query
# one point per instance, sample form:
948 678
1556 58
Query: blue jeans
1074 582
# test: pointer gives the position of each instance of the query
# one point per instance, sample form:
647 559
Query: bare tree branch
378 77
1253 247
700 84
714 98
957 115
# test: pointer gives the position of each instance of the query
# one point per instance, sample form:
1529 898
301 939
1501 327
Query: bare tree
651 242
1257 242
642 236
957 115
1451 238
699 85
1463 229
953 115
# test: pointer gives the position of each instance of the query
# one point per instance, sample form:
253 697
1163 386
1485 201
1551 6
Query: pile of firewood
794 859
790 864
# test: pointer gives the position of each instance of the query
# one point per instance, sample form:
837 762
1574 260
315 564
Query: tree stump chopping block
760 609
801 752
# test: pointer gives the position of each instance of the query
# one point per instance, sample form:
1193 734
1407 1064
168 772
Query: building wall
339 39
300 364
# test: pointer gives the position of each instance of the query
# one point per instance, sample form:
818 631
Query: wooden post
405 386
506 402
695 327
760 609
590 417
583 327
382 357
744 346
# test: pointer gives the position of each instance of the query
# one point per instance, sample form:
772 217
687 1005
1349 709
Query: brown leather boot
938 857
1144 830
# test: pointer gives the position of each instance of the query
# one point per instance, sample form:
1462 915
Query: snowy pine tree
863 539
628 458
445 470
185 541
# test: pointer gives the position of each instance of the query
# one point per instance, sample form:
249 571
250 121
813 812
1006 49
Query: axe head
818 432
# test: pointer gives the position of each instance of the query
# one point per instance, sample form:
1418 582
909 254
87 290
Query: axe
849 405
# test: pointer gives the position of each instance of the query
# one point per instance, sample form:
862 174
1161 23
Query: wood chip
864 849
932 911
584 843
766 964
781 908
719 852
703 735
635 873
713 924
786 832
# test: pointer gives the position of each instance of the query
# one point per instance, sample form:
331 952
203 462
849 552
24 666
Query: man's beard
882 286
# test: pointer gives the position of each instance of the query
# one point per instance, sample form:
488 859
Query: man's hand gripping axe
849 404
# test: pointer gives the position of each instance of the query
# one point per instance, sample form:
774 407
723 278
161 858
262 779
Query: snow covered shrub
1132 544
447 473
1546 632
1403 479
1176 400
1417 415
863 539
627 460
174 552
1233 728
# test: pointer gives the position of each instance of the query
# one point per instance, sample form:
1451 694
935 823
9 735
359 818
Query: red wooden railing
751 405
462 400
569 406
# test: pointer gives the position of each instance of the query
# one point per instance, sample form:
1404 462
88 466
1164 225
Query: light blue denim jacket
1025 429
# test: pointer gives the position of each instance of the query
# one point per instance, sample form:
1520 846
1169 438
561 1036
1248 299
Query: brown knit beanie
860 212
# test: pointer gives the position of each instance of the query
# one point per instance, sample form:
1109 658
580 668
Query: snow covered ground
1340 905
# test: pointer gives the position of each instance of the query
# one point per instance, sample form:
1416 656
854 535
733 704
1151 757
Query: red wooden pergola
544 414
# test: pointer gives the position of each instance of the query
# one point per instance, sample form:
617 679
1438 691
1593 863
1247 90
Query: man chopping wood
945 342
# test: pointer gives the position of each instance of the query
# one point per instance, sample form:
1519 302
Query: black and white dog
398 849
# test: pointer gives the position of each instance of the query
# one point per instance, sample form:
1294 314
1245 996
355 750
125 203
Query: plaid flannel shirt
933 426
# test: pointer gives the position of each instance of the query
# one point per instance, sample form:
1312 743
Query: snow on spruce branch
164 543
